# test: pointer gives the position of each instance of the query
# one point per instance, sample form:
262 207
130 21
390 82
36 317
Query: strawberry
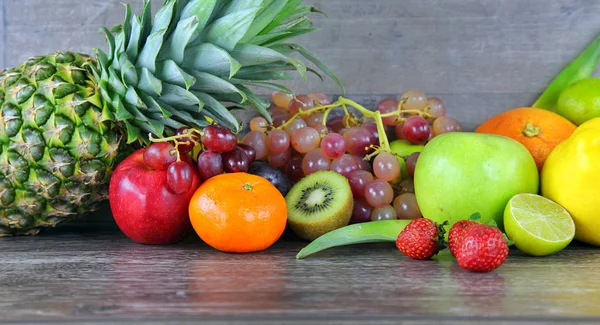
421 239
481 248
456 232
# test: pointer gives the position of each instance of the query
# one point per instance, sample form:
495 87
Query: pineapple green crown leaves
196 56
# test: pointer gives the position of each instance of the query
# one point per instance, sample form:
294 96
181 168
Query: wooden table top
92 275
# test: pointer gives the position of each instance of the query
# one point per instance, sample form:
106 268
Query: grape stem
191 134
384 144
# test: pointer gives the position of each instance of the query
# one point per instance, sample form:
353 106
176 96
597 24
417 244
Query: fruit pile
303 139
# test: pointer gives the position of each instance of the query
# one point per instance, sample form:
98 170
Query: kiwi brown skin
310 230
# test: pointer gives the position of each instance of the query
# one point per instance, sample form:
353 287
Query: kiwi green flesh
319 203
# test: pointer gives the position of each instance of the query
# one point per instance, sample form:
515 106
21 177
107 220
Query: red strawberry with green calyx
456 231
421 239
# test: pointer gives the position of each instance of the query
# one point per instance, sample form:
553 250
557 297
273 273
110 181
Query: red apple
143 205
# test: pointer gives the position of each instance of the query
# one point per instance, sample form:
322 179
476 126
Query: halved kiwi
319 203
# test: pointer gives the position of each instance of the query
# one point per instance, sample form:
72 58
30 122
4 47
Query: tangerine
238 213
539 130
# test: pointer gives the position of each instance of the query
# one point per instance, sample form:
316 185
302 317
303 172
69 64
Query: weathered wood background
480 56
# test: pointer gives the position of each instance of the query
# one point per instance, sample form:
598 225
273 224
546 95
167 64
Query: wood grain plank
97 276
3 35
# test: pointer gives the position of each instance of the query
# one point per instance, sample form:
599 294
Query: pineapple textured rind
56 152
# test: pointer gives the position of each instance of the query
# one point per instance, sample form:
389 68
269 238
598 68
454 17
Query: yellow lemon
571 178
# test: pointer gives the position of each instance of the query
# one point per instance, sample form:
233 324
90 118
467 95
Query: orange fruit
238 213
539 130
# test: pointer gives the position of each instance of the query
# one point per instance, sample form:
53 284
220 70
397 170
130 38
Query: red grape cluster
300 142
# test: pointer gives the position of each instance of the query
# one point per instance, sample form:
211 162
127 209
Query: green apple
405 149
461 173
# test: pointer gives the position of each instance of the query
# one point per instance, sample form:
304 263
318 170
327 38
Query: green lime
580 101
537 225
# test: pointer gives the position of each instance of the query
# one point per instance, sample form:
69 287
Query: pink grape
159 155
333 146
386 167
281 99
280 118
314 161
415 100
273 110
357 180
398 130
363 164
305 139
435 107
259 124
293 168
219 138
358 141
407 186
416 130
388 105
210 164
279 141
379 193
301 102
294 125
278 160
411 163
361 211
180 177
336 123
385 212
344 165
314 119
258 141
319 98
406 206
372 127
322 129
445 124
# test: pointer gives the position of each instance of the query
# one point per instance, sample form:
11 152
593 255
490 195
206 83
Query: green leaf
212 59
202 10
182 114
300 23
110 40
582 67
239 5
274 38
163 17
227 31
250 54
181 38
153 105
263 19
149 83
209 83
121 113
170 72
310 57
134 39
289 8
127 25
144 122
133 132
147 58
115 82
260 105
366 232
132 98
128 72
146 22
218 110
263 84
178 96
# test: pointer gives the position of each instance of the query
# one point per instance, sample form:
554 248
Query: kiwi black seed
319 203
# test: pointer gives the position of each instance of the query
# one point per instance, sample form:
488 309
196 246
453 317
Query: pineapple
66 119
